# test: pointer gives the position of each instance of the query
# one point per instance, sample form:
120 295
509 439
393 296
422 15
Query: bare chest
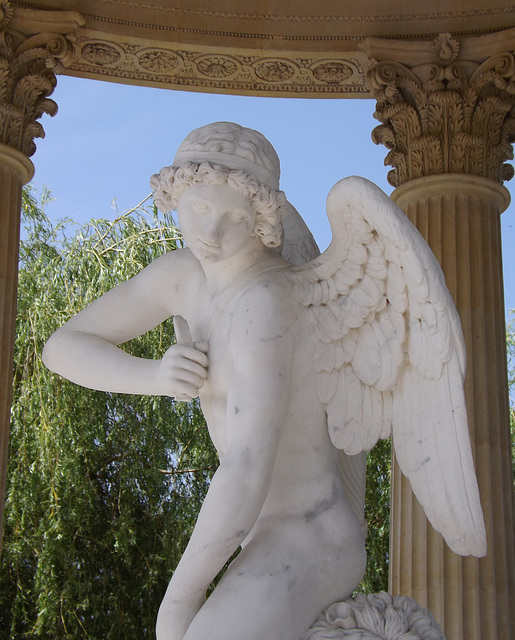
211 319
215 392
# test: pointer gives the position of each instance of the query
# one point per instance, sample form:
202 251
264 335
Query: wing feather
396 287
349 346
327 386
367 357
386 427
347 402
345 278
438 462
392 326
329 356
390 354
329 324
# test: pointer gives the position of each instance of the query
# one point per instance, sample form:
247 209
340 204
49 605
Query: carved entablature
34 46
215 70
446 106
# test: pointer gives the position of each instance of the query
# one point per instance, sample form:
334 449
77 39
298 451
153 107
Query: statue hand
183 369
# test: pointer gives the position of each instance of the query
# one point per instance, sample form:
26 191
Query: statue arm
85 351
256 405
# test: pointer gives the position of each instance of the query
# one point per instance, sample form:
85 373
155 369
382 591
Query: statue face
216 221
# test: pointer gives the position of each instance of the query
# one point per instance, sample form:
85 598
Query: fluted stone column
15 171
29 58
447 111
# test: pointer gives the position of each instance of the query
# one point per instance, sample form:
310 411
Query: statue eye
200 206
238 215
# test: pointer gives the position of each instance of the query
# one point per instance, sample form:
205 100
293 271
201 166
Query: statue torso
306 481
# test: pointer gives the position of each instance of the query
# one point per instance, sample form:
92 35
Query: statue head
224 152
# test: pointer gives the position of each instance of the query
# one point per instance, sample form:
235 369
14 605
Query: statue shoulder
266 306
170 279
175 266
176 258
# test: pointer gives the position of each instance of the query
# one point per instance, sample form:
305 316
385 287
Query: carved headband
231 162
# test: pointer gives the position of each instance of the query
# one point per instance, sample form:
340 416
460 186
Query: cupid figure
300 369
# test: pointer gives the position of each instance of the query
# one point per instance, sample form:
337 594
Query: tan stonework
28 62
447 111
245 72
471 599
297 49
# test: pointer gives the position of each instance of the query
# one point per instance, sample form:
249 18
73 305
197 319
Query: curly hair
268 204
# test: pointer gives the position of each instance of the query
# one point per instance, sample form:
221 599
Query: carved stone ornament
334 73
101 54
446 106
28 63
209 69
377 616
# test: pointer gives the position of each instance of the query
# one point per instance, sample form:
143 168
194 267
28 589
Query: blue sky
108 139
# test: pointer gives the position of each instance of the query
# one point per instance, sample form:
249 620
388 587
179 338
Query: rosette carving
28 64
274 70
332 72
216 66
447 113
101 54
158 61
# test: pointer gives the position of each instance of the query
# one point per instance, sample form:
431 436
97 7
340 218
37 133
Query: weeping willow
104 489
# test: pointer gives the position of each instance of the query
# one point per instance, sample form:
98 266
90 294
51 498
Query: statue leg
277 587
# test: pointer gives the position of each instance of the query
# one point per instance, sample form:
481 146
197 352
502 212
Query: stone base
378 616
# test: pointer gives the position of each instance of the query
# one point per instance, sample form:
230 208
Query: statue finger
202 346
182 331
182 397
185 392
193 379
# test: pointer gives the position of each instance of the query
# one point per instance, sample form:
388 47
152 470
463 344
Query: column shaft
15 171
472 599
34 46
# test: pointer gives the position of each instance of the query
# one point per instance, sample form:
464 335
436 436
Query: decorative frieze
29 61
212 69
152 42
445 106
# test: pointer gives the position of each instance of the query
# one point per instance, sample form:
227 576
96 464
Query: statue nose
213 231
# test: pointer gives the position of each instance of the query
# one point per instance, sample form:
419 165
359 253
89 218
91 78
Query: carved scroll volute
443 113
29 60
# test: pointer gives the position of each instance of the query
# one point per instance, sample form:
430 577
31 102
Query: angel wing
390 355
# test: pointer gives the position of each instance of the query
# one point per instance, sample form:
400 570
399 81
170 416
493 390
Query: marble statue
301 362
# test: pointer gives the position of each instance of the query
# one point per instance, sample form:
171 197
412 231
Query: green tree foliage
377 514
103 489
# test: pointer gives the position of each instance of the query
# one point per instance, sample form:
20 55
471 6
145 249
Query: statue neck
221 275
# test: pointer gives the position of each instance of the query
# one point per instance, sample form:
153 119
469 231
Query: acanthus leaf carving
446 114
28 64
6 13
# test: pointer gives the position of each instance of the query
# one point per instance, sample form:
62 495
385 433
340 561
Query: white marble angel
300 369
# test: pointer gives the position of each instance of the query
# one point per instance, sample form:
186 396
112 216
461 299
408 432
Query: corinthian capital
34 46
446 106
